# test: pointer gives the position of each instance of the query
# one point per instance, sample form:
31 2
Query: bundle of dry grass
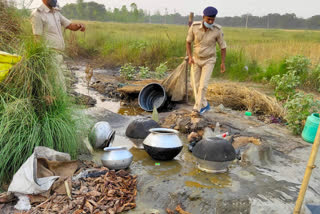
239 97
9 26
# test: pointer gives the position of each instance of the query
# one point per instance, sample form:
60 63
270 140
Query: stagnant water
113 106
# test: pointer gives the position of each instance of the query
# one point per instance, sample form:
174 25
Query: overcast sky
302 8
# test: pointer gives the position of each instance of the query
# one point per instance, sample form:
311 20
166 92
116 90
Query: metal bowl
212 166
163 144
101 135
116 158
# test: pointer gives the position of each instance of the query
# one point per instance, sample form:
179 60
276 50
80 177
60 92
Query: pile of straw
238 97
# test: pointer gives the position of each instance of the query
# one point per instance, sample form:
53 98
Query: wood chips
109 193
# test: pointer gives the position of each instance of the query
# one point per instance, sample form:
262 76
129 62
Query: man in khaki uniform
47 22
204 35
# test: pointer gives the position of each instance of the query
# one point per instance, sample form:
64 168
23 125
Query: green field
138 42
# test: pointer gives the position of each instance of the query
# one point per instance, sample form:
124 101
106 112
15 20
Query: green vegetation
161 70
285 85
97 12
128 71
144 72
298 109
252 54
34 109
298 105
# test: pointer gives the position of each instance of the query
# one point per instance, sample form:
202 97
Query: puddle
154 167
207 180
115 107
130 110
183 166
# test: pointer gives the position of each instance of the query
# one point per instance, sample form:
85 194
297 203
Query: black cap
210 11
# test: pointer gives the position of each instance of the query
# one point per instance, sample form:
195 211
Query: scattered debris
180 210
169 211
241 141
193 137
108 89
184 122
82 99
111 192
6 197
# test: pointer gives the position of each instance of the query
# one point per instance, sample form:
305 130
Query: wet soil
266 180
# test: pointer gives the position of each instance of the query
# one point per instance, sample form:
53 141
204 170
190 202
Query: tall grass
252 54
34 108
128 42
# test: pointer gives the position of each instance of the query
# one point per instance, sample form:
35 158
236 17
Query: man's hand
76 27
223 68
190 61
82 27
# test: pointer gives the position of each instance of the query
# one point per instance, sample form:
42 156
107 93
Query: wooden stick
307 175
189 24
67 189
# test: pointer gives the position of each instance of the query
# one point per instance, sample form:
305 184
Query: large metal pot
116 158
138 130
152 95
163 144
101 135
214 154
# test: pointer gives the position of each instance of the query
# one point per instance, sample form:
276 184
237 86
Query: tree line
97 12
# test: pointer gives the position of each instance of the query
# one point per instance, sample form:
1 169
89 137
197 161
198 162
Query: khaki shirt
205 41
47 23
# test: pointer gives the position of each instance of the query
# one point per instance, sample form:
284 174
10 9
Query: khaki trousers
200 75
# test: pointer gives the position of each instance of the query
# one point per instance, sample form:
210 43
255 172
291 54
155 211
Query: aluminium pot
138 130
163 144
116 158
101 135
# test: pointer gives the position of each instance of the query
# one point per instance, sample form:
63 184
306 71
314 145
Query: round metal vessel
116 158
152 95
214 154
101 135
138 130
163 144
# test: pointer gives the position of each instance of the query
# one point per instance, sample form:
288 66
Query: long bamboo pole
307 175
189 23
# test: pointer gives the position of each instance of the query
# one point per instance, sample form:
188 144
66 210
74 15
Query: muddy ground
266 180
